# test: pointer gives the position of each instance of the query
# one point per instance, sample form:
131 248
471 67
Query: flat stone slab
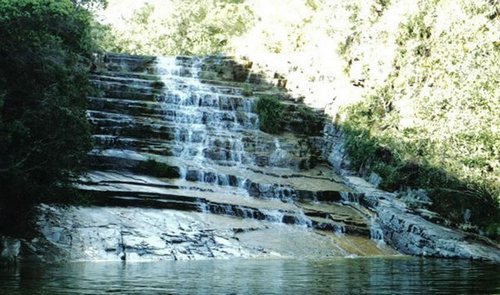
412 234
138 234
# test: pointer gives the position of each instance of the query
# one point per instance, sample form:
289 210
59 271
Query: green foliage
247 90
434 123
271 113
379 7
90 4
344 47
157 169
194 28
44 134
158 85
383 3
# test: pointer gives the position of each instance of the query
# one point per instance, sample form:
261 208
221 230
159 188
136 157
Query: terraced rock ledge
182 171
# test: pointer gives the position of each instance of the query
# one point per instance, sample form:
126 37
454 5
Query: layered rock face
409 230
181 170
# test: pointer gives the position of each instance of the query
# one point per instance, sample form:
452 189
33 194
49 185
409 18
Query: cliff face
415 83
181 171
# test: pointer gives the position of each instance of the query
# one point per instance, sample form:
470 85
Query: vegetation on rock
157 169
271 114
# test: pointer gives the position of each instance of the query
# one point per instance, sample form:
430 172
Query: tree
44 135
193 27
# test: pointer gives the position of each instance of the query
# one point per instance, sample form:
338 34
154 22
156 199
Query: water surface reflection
333 276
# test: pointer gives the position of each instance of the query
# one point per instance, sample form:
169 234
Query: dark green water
335 276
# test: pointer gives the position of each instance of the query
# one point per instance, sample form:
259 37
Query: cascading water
188 174
208 121
376 232
209 128
279 157
181 171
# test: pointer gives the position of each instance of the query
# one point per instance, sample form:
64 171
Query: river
394 275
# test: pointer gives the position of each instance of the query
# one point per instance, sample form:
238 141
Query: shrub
247 90
271 114
157 169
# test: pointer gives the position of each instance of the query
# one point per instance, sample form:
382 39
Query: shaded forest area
45 58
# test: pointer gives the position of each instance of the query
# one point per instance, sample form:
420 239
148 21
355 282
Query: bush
271 114
408 166
157 169
247 90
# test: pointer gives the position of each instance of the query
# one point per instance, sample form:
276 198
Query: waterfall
207 120
279 157
376 232
349 197
214 173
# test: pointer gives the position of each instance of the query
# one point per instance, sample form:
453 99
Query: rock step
127 106
113 57
204 117
136 127
116 82
268 188
176 99
216 67
145 86
200 140
316 179
124 75
109 146
139 77
130 194
207 141
216 154
129 63
285 186
179 59
127 181
198 95
188 200
111 79
218 151
342 218
251 136
231 205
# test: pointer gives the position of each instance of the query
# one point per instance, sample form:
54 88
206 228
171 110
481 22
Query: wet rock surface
10 249
181 171
411 233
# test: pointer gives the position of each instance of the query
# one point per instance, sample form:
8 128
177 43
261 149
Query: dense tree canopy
189 27
44 135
